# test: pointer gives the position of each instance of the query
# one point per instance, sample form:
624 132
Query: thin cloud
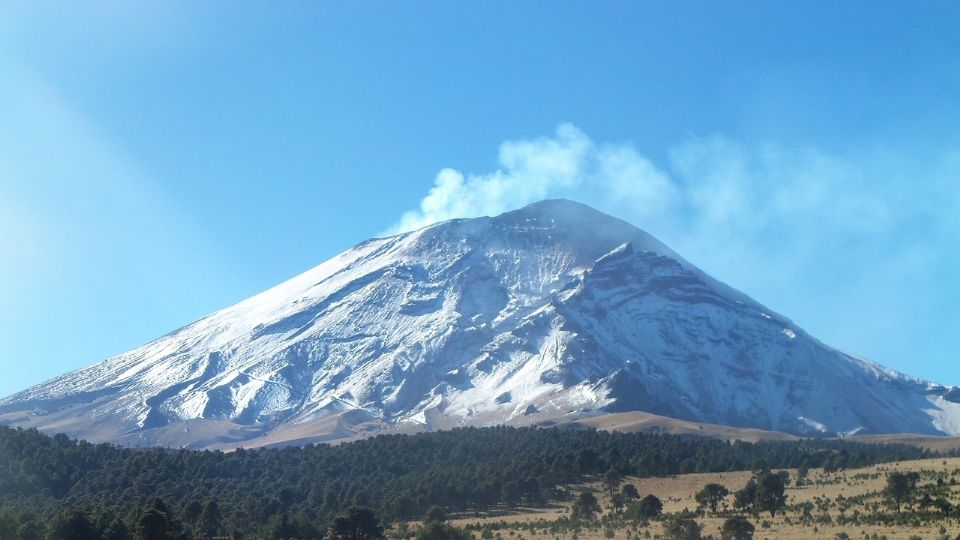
813 234
711 189
565 165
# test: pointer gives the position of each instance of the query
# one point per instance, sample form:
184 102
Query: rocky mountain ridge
551 312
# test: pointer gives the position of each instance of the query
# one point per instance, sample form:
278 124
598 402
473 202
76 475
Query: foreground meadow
840 504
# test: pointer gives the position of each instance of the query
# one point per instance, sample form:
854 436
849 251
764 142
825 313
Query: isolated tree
585 507
737 528
900 487
650 506
745 498
802 473
357 523
617 501
711 496
630 491
612 479
771 496
681 529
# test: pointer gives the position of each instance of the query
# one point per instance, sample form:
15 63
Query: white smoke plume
808 232
566 165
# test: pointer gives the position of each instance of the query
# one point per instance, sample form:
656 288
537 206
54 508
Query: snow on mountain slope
552 311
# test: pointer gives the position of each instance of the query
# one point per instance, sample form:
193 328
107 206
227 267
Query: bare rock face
555 311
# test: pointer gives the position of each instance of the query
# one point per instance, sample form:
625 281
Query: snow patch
850 432
946 415
818 426
555 308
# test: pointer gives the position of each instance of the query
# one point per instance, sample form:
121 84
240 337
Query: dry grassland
677 494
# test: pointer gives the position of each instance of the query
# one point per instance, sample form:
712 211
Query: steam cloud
566 165
712 191
807 232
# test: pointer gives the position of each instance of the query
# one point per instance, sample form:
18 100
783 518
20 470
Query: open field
939 444
641 422
823 491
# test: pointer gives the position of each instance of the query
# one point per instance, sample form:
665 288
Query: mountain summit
554 311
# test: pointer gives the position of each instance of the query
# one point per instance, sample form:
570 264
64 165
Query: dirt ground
677 494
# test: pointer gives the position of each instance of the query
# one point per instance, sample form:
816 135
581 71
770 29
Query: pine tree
711 495
585 507
210 520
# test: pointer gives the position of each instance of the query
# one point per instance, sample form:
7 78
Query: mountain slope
552 311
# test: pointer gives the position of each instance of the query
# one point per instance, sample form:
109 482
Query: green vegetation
901 487
435 530
681 529
711 496
737 528
585 508
357 523
51 484
650 507
765 492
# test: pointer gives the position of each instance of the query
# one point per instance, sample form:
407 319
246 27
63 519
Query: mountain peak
558 206
570 213
555 310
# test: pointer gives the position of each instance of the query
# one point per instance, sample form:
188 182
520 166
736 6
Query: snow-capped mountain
549 312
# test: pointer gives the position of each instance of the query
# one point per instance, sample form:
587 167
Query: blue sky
162 160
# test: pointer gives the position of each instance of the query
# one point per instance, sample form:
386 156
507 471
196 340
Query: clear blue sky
162 160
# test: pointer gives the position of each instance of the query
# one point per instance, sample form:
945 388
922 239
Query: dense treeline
399 476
